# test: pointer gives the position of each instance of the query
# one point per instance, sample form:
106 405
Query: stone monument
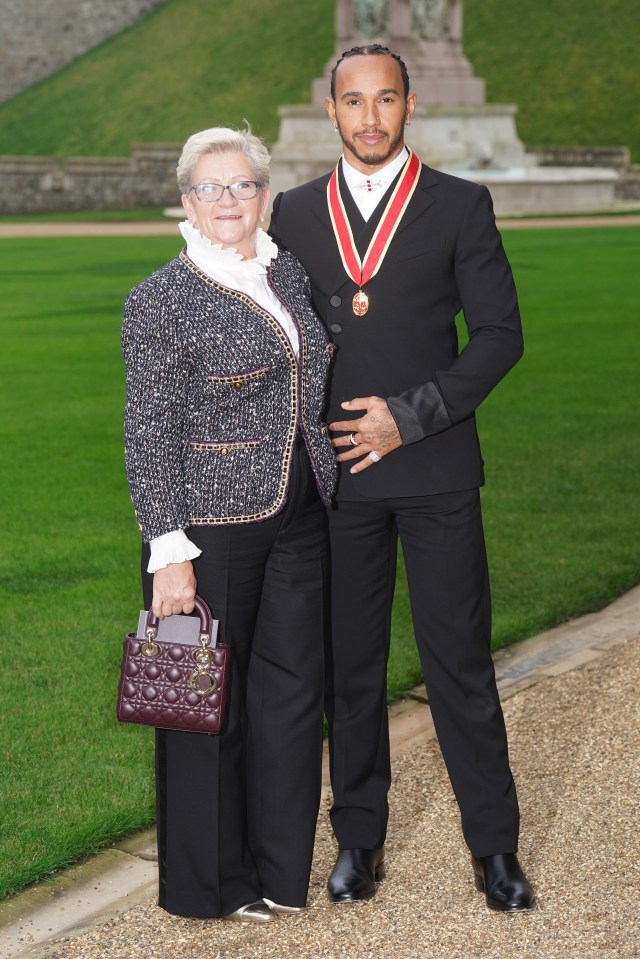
453 128
427 34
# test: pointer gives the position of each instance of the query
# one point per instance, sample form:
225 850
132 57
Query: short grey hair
223 140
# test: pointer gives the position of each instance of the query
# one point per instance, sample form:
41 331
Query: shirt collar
380 180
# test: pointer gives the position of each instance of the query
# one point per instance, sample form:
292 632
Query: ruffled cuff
173 547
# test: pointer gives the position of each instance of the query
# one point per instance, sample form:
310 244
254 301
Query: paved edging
117 879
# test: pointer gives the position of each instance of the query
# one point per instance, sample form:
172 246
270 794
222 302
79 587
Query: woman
226 364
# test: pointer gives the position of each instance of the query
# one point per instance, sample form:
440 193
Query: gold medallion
360 303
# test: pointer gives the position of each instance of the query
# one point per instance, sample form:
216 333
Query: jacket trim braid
223 448
237 379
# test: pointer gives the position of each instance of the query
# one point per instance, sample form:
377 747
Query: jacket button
335 300
331 348
237 383
224 451
335 328
324 430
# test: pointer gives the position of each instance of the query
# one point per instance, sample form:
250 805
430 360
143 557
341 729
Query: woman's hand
174 589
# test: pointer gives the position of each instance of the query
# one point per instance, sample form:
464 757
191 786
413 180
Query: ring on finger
352 439
374 456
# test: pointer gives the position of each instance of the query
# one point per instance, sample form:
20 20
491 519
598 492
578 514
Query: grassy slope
571 67
561 507
190 64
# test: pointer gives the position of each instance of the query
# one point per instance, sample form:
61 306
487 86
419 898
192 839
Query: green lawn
571 67
560 440
72 779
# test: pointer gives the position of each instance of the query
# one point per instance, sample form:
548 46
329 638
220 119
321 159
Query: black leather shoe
355 874
503 882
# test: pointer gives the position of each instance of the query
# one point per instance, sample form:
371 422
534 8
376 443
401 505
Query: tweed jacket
216 397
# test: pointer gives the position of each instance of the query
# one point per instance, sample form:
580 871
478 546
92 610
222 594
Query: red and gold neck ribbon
359 270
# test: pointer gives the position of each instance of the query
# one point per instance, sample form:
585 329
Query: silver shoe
253 912
277 907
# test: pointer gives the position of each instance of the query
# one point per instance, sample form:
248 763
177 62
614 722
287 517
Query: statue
369 18
430 19
427 34
433 20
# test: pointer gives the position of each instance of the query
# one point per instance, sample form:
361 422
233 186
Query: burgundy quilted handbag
178 682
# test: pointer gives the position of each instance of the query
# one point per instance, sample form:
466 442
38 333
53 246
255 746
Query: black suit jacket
446 255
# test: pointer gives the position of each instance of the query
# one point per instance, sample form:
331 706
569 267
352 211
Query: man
394 250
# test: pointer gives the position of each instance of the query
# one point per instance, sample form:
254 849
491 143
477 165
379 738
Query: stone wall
38 37
43 185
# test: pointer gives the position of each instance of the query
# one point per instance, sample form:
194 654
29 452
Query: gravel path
575 743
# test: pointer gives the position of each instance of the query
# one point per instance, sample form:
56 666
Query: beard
377 156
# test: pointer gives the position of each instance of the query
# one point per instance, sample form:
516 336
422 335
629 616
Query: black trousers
237 812
444 550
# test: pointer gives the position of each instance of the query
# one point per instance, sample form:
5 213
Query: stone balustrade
616 158
34 184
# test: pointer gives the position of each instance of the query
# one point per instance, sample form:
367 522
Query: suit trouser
444 551
237 812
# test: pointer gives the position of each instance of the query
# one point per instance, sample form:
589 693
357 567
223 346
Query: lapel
425 195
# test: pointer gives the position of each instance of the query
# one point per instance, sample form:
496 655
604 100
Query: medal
361 271
360 303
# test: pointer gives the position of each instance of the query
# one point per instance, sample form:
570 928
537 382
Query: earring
335 129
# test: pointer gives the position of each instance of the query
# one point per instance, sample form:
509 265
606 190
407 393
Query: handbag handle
204 613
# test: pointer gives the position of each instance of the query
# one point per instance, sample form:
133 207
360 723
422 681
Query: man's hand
375 432
174 589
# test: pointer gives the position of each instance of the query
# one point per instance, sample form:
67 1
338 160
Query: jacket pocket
240 379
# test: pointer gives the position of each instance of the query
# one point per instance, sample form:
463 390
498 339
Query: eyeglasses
211 192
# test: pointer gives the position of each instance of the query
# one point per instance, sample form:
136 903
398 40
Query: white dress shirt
368 189
227 267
